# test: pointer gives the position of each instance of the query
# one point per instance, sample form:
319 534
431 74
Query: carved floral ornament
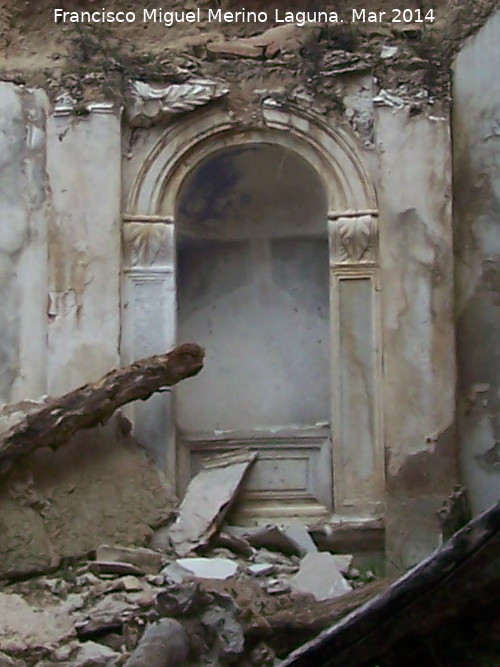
353 240
148 244
150 104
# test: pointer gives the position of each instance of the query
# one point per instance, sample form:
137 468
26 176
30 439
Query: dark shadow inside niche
253 288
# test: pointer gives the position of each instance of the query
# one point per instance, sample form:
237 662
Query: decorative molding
148 244
148 104
353 240
187 141
66 105
130 217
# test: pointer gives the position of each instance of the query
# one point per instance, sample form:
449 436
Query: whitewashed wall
416 277
23 243
476 141
83 162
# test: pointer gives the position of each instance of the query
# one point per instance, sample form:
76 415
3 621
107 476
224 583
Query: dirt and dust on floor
92 62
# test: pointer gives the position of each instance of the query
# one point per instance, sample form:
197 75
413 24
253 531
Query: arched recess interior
149 291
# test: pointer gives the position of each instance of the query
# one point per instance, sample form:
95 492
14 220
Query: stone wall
476 139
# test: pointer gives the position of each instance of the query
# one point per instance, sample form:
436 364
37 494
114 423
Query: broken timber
461 574
94 404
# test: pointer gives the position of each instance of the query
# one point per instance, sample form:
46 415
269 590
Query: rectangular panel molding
358 453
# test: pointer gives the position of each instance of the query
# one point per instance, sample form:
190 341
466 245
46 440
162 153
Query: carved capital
148 244
353 240
149 104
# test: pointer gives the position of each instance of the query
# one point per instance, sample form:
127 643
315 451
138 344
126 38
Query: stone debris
23 626
222 618
277 586
113 567
388 51
145 560
208 568
165 643
291 540
207 500
119 608
239 545
91 654
91 616
260 569
298 534
320 576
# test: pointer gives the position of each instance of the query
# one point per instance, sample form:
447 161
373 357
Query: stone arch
149 285
330 151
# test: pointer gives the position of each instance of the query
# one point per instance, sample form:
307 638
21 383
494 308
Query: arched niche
353 446
253 290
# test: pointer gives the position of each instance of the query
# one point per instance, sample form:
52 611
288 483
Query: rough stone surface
23 626
320 576
101 486
164 644
91 654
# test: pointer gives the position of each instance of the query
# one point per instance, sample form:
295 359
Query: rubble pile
199 593
214 609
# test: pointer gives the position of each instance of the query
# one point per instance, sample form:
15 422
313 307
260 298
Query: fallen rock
25 627
207 500
271 537
105 567
145 560
238 545
260 569
320 576
164 644
298 534
208 568
277 586
92 654
131 584
221 618
173 573
107 614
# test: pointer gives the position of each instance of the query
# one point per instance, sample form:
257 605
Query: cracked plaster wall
416 260
476 135
23 243
59 328
84 156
